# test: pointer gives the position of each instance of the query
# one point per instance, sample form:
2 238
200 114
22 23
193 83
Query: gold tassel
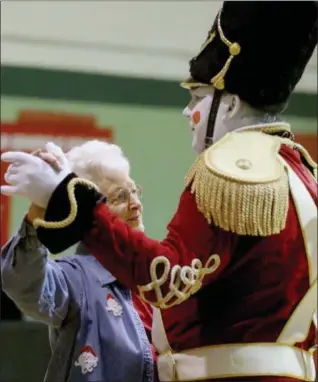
237 206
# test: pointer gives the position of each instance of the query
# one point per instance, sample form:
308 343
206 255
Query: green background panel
89 87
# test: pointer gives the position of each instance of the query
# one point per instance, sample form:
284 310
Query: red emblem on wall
33 129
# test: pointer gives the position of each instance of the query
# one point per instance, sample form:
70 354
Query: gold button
235 49
243 164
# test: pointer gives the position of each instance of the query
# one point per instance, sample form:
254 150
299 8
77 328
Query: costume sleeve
39 287
163 272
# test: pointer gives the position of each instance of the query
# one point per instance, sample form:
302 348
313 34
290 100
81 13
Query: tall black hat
257 50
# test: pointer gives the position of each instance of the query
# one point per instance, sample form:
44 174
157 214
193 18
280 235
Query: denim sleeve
40 287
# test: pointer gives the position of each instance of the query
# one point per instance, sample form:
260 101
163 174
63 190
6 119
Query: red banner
33 129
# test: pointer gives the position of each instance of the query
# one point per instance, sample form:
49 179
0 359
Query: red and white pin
113 305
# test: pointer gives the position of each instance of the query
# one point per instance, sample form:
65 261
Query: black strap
212 117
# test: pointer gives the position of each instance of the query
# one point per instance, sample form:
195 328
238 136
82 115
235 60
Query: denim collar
101 274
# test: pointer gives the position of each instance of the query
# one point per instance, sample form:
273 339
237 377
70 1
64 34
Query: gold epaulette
241 185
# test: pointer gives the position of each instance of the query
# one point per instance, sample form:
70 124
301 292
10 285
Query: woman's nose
134 203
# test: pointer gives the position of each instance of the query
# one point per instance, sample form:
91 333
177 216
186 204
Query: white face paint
197 113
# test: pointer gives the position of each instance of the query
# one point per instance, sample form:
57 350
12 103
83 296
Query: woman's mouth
133 218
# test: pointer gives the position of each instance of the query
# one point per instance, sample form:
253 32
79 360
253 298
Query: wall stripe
97 88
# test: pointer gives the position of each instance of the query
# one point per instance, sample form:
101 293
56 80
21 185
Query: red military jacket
248 299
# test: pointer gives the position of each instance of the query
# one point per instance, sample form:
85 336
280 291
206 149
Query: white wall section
153 39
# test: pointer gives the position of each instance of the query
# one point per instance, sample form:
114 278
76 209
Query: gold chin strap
234 49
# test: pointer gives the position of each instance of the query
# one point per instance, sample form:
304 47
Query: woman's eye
122 198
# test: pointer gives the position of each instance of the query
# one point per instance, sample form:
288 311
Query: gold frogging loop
234 49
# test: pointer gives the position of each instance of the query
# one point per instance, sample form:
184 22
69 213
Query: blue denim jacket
96 334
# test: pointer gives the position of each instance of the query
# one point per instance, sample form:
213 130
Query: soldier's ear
230 104
234 106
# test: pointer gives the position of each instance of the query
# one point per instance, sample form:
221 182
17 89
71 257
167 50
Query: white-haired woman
96 332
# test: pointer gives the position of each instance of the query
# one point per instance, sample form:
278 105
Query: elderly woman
96 333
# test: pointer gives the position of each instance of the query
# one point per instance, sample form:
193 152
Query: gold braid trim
184 280
244 206
73 206
269 128
305 154
207 42
234 50
218 81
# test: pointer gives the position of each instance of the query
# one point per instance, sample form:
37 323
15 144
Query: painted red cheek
196 117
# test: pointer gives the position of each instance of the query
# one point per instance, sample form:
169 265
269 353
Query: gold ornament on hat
234 49
218 80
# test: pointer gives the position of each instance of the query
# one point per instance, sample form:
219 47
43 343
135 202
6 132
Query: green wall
148 125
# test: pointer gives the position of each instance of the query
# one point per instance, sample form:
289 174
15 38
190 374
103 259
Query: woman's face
123 199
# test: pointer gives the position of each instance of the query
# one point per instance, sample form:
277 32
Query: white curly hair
96 160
